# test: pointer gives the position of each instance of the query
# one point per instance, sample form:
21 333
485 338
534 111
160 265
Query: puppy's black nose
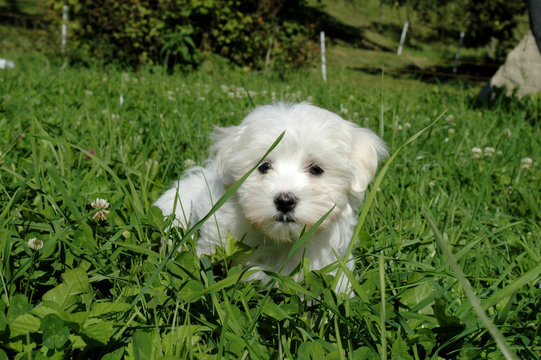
285 202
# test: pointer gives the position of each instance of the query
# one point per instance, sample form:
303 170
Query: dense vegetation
81 280
262 34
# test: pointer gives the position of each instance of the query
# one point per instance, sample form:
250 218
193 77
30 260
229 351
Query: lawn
106 289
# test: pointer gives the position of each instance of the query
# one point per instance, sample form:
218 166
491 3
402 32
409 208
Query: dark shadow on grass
306 15
13 16
436 74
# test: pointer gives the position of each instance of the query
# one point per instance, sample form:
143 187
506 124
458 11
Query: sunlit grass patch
76 281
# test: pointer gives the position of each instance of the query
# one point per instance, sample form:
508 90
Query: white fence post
64 27
457 56
402 38
323 62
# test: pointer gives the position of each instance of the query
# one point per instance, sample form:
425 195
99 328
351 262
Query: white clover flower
355 114
188 163
310 99
399 128
264 93
224 88
115 116
231 95
201 98
508 132
240 92
35 244
407 126
432 183
450 117
476 152
446 139
451 131
526 163
89 93
489 151
351 98
343 110
102 205
499 152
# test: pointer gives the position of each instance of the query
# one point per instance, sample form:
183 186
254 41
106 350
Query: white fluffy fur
347 153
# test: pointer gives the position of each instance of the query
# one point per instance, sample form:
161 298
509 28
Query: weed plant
79 281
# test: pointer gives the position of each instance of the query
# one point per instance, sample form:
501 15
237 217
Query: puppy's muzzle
285 203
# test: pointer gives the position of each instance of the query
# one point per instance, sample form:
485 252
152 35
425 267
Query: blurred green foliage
178 33
485 22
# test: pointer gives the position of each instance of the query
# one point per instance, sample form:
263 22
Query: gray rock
521 72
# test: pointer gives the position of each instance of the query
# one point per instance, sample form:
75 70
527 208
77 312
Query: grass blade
476 304
383 315
375 186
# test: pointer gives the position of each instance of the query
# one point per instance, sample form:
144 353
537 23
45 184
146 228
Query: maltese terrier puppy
323 163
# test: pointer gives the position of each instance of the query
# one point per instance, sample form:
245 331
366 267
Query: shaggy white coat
347 154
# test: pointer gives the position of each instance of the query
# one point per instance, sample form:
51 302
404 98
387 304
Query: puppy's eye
315 169
264 168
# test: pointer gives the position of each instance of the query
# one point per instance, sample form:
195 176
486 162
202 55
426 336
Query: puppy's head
323 161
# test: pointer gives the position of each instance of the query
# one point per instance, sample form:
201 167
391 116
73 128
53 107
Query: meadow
448 257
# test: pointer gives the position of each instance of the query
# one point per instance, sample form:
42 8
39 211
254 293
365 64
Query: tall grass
105 288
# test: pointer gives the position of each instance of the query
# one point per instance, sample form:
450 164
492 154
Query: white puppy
323 161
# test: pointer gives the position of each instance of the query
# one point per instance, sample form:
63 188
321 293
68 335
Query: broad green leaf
48 307
60 295
77 342
98 330
311 351
415 294
23 325
400 349
234 247
444 320
142 345
17 307
102 308
75 283
274 311
115 355
76 280
55 333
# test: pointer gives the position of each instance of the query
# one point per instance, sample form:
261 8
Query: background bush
485 22
253 33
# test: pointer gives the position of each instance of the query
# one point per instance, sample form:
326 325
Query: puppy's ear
368 151
225 148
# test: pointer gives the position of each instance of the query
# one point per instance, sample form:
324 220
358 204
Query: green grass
73 297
